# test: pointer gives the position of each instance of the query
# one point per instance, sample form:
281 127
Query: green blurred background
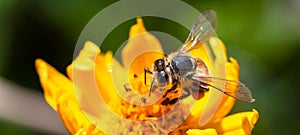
263 35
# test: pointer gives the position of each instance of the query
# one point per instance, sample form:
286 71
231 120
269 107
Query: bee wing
202 30
231 88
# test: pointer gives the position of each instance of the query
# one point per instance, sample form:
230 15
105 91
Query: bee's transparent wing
202 30
231 88
211 16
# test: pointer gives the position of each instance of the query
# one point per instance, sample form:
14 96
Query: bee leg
146 70
203 87
198 90
188 93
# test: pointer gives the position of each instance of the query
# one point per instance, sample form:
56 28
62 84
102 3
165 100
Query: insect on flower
191 73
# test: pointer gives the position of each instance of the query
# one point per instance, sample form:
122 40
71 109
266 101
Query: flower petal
83 77
73 117
240 123
201 53
59 93
109 68
232 73
209 131
88 71
53 82
140 42
81 132
85 60
227 102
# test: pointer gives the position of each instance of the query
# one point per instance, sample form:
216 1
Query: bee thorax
183 64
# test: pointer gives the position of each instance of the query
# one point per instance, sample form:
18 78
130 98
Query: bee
191 73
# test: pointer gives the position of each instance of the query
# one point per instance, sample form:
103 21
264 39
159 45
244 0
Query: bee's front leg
146 70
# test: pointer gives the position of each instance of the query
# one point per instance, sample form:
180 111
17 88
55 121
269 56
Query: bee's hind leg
187 90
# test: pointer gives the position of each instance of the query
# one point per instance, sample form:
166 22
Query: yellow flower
59 91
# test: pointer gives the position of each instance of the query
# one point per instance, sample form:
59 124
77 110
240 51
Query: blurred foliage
264 35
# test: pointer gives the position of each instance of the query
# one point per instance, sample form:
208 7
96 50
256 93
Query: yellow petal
106 71
82 73
208 131
137 28
70 113
202 54
240 123
140 42
91 72
232 73
73 117
140 52
53 82
69 71
227 102
59 93
81 132
86 58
